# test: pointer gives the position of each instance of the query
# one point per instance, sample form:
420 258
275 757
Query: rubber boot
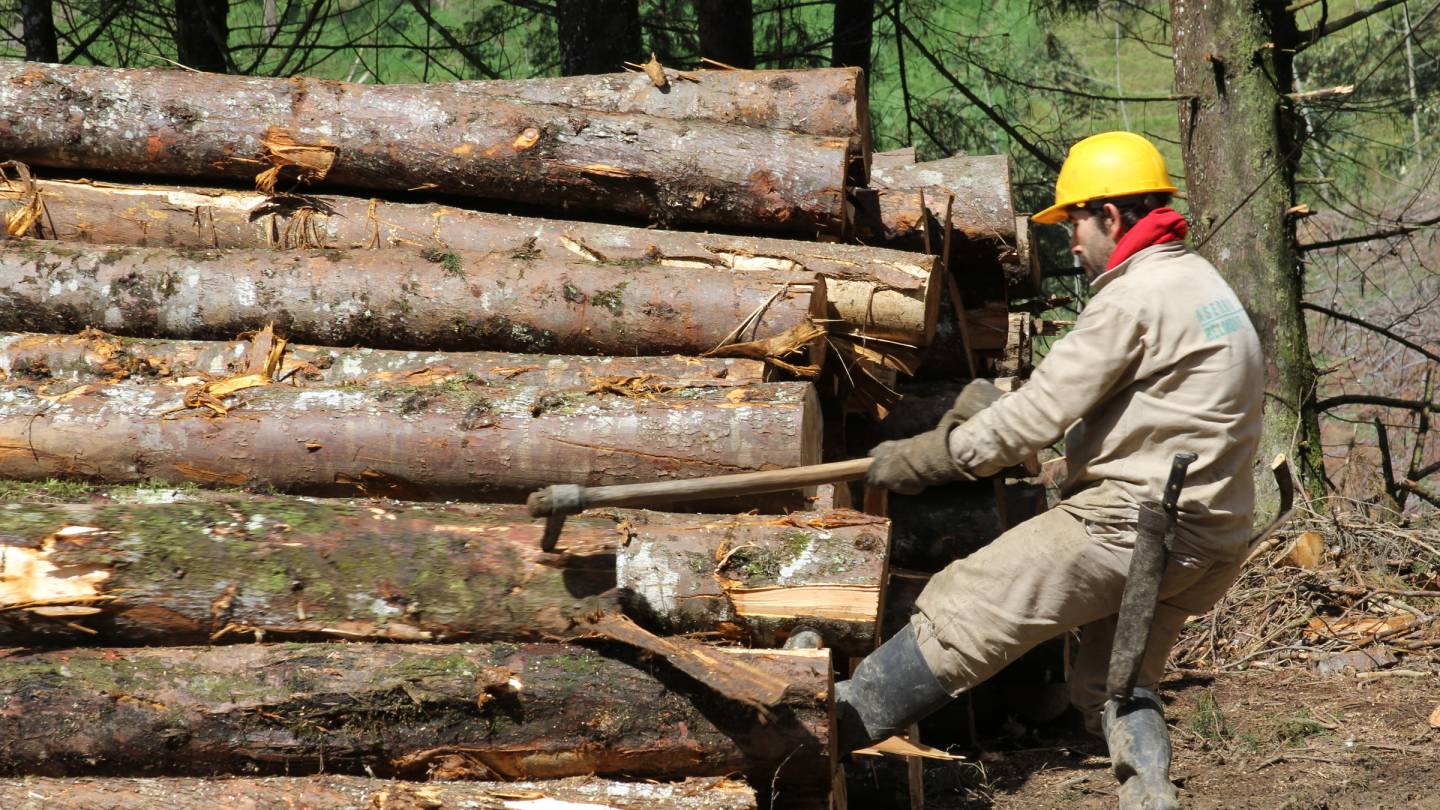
1139 743
892 688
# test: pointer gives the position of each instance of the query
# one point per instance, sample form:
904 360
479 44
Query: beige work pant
1042 578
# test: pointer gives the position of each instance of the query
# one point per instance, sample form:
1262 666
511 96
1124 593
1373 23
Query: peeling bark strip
331 792
883 293
445 300
442 137
229 568
499 711
93 356
824 101
451 440
769 576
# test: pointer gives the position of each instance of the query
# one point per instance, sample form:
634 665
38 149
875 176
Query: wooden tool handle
720 486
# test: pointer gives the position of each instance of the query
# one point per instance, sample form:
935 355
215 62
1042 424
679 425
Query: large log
229 568
93 355
882 293
440 137
770 576
500 711
404 298
990 253
455 439
825 101
331 792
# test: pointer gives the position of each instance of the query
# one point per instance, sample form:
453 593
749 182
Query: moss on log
499 711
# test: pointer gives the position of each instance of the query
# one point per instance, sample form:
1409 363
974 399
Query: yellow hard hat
1111 164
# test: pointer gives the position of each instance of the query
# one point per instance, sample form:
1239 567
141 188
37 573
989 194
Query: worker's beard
1096 249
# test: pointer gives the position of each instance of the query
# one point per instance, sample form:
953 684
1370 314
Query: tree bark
597 36
437 137
202 33
1237 132
727 31
882 293
500 711
852 26
455 439
427 299
93 356
331 792
768 577
831 102
37 27
232 568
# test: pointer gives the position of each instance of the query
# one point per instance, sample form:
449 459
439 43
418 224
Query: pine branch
1380 330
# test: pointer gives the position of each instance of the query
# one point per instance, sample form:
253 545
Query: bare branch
1327 28
1370 237
1415 488
1340 316
1371 399
470 56
989 111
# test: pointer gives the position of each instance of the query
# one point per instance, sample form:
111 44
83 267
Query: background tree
597 36
37 23
727 31
202 35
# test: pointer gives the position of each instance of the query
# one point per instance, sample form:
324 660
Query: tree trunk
727 31
427 299
37 28
597 36
454 440
853 21
229 568
877 292
202 33
1238 139
93 356
437 137
500 711
331 792
989 245
768 577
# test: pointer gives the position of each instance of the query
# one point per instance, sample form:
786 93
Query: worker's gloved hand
976 396
908 466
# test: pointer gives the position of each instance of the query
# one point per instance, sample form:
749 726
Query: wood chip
1307 552
1435 717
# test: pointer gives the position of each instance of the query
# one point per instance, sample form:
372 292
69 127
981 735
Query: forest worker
1163 359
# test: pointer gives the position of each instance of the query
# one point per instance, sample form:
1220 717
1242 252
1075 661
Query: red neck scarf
1155 228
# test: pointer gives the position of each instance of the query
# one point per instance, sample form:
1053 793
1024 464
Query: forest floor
1286 739
1314 683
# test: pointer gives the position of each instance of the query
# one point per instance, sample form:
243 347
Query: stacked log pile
255 330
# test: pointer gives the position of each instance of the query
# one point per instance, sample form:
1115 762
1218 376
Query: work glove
908 466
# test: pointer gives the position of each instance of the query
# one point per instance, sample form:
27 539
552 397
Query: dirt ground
1279 739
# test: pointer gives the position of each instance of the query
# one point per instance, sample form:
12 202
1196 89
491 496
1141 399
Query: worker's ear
1111 223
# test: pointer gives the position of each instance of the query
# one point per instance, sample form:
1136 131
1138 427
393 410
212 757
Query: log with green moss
112 568
410 299
879 292
93 355
442 138
497 711
453 439
331 792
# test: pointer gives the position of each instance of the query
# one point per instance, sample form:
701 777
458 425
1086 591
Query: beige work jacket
1163 359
